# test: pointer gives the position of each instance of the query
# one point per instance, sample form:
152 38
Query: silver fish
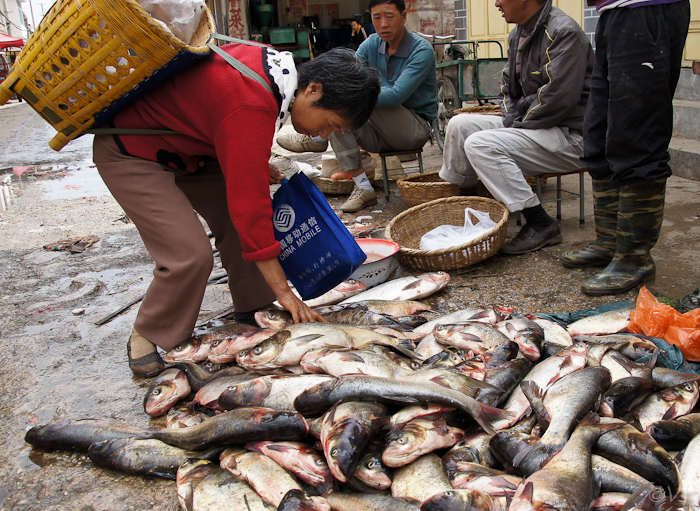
287 347
276 391
421 479
183 417
372 472
405 288
464 500
690 473
667 404
189 475
492 482
221 490
611 322
338 294
416 438
300 459
474 336
164 391
263 474
340 362
528 334
342 501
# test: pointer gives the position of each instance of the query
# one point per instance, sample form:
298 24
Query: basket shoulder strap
240 66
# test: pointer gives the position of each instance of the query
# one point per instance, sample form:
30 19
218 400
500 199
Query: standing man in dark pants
627 130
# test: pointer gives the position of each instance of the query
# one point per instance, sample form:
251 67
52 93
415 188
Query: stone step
685 157
686 118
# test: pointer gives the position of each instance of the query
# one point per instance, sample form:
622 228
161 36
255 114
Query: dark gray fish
499 355
320 398
612 477
508 376
297 500
624 395
675 434
463 500
145 457
346 431
664 378
237 427
629 447
79 435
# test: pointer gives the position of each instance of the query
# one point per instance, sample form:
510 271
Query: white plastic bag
446 236
181 17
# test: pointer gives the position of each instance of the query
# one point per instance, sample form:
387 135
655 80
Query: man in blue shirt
406 106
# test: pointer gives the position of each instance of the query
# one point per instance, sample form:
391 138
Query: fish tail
488 415
406 347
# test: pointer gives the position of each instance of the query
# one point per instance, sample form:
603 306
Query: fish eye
320 462
233 387
372 464
156 392
402 440
179 348
257 350
334 452
449 493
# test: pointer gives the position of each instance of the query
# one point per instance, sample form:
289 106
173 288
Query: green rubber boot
606 198
641 211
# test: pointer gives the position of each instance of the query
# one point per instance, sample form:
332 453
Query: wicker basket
88 59
408 227
334 186
421 188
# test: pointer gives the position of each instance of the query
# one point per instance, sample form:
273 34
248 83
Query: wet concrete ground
61 366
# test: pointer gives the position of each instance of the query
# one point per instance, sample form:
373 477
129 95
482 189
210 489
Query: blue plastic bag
318 251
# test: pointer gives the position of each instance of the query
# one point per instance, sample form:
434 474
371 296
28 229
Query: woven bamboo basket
334 186
421 188
408 227
88 59
337 186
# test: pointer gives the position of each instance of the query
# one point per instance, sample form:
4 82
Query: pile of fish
392 406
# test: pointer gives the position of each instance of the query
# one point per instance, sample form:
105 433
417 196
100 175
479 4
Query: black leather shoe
529 240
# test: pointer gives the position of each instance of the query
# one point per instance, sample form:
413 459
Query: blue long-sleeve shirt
408 76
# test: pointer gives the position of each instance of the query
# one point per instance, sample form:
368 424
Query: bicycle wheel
448 101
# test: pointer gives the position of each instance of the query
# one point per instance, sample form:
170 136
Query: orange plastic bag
657 319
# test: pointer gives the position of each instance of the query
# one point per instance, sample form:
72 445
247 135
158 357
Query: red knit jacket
224 115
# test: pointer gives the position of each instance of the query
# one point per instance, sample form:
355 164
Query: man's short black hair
400 4
350 85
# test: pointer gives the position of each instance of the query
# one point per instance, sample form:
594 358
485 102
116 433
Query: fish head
219 346
454 500
274 319
316 470
403 443
683 394
343 447
194 469
298 500
372 472
350 286
248 393
165 391
184 351
264 352
439 278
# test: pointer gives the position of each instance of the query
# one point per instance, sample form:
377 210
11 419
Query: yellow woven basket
334 186
421 188
408 227
87 59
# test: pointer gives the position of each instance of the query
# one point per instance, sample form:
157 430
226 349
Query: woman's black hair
350 85
400 4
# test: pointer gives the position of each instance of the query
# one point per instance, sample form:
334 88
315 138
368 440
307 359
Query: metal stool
385 171
571 195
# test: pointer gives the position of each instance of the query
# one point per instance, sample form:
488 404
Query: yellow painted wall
485 22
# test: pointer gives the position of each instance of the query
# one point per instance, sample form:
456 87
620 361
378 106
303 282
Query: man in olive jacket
544 90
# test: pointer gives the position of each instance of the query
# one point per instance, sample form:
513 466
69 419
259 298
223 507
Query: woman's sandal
145 366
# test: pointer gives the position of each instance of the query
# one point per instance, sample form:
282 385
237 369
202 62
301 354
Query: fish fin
502 482
309 338
351 357
523 453
412 285
528 491
489 414
649 497
277 447
671 413
164 475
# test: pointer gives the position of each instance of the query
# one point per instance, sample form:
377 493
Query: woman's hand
277 280
276 175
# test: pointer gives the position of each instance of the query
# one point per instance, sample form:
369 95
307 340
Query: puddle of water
77 184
